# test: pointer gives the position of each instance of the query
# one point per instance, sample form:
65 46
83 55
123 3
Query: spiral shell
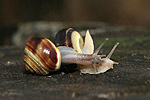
41 56
70 38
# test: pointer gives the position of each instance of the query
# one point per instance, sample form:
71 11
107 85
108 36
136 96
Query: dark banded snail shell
70 38
41 56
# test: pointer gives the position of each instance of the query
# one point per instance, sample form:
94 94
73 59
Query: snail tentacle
112 51
99 48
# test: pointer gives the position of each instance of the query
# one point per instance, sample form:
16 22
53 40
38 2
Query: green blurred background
115 12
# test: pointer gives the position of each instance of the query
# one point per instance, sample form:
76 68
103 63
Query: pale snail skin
42 57
70 56
88 48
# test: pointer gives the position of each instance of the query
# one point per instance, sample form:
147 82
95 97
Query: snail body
70 56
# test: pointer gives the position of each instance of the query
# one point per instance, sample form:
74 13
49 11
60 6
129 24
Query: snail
42 57
71 38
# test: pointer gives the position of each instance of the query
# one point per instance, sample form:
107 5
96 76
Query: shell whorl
70 38
41 56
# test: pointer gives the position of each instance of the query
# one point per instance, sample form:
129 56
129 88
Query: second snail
42 57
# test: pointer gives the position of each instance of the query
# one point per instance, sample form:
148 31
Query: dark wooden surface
130 80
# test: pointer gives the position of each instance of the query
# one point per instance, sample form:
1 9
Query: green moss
133 54
123 42
147 82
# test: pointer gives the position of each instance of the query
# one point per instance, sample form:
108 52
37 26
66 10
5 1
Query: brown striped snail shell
70 38
41 56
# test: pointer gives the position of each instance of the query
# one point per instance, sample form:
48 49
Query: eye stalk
98 49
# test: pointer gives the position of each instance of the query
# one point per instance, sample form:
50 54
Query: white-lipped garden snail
75 41
42 57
